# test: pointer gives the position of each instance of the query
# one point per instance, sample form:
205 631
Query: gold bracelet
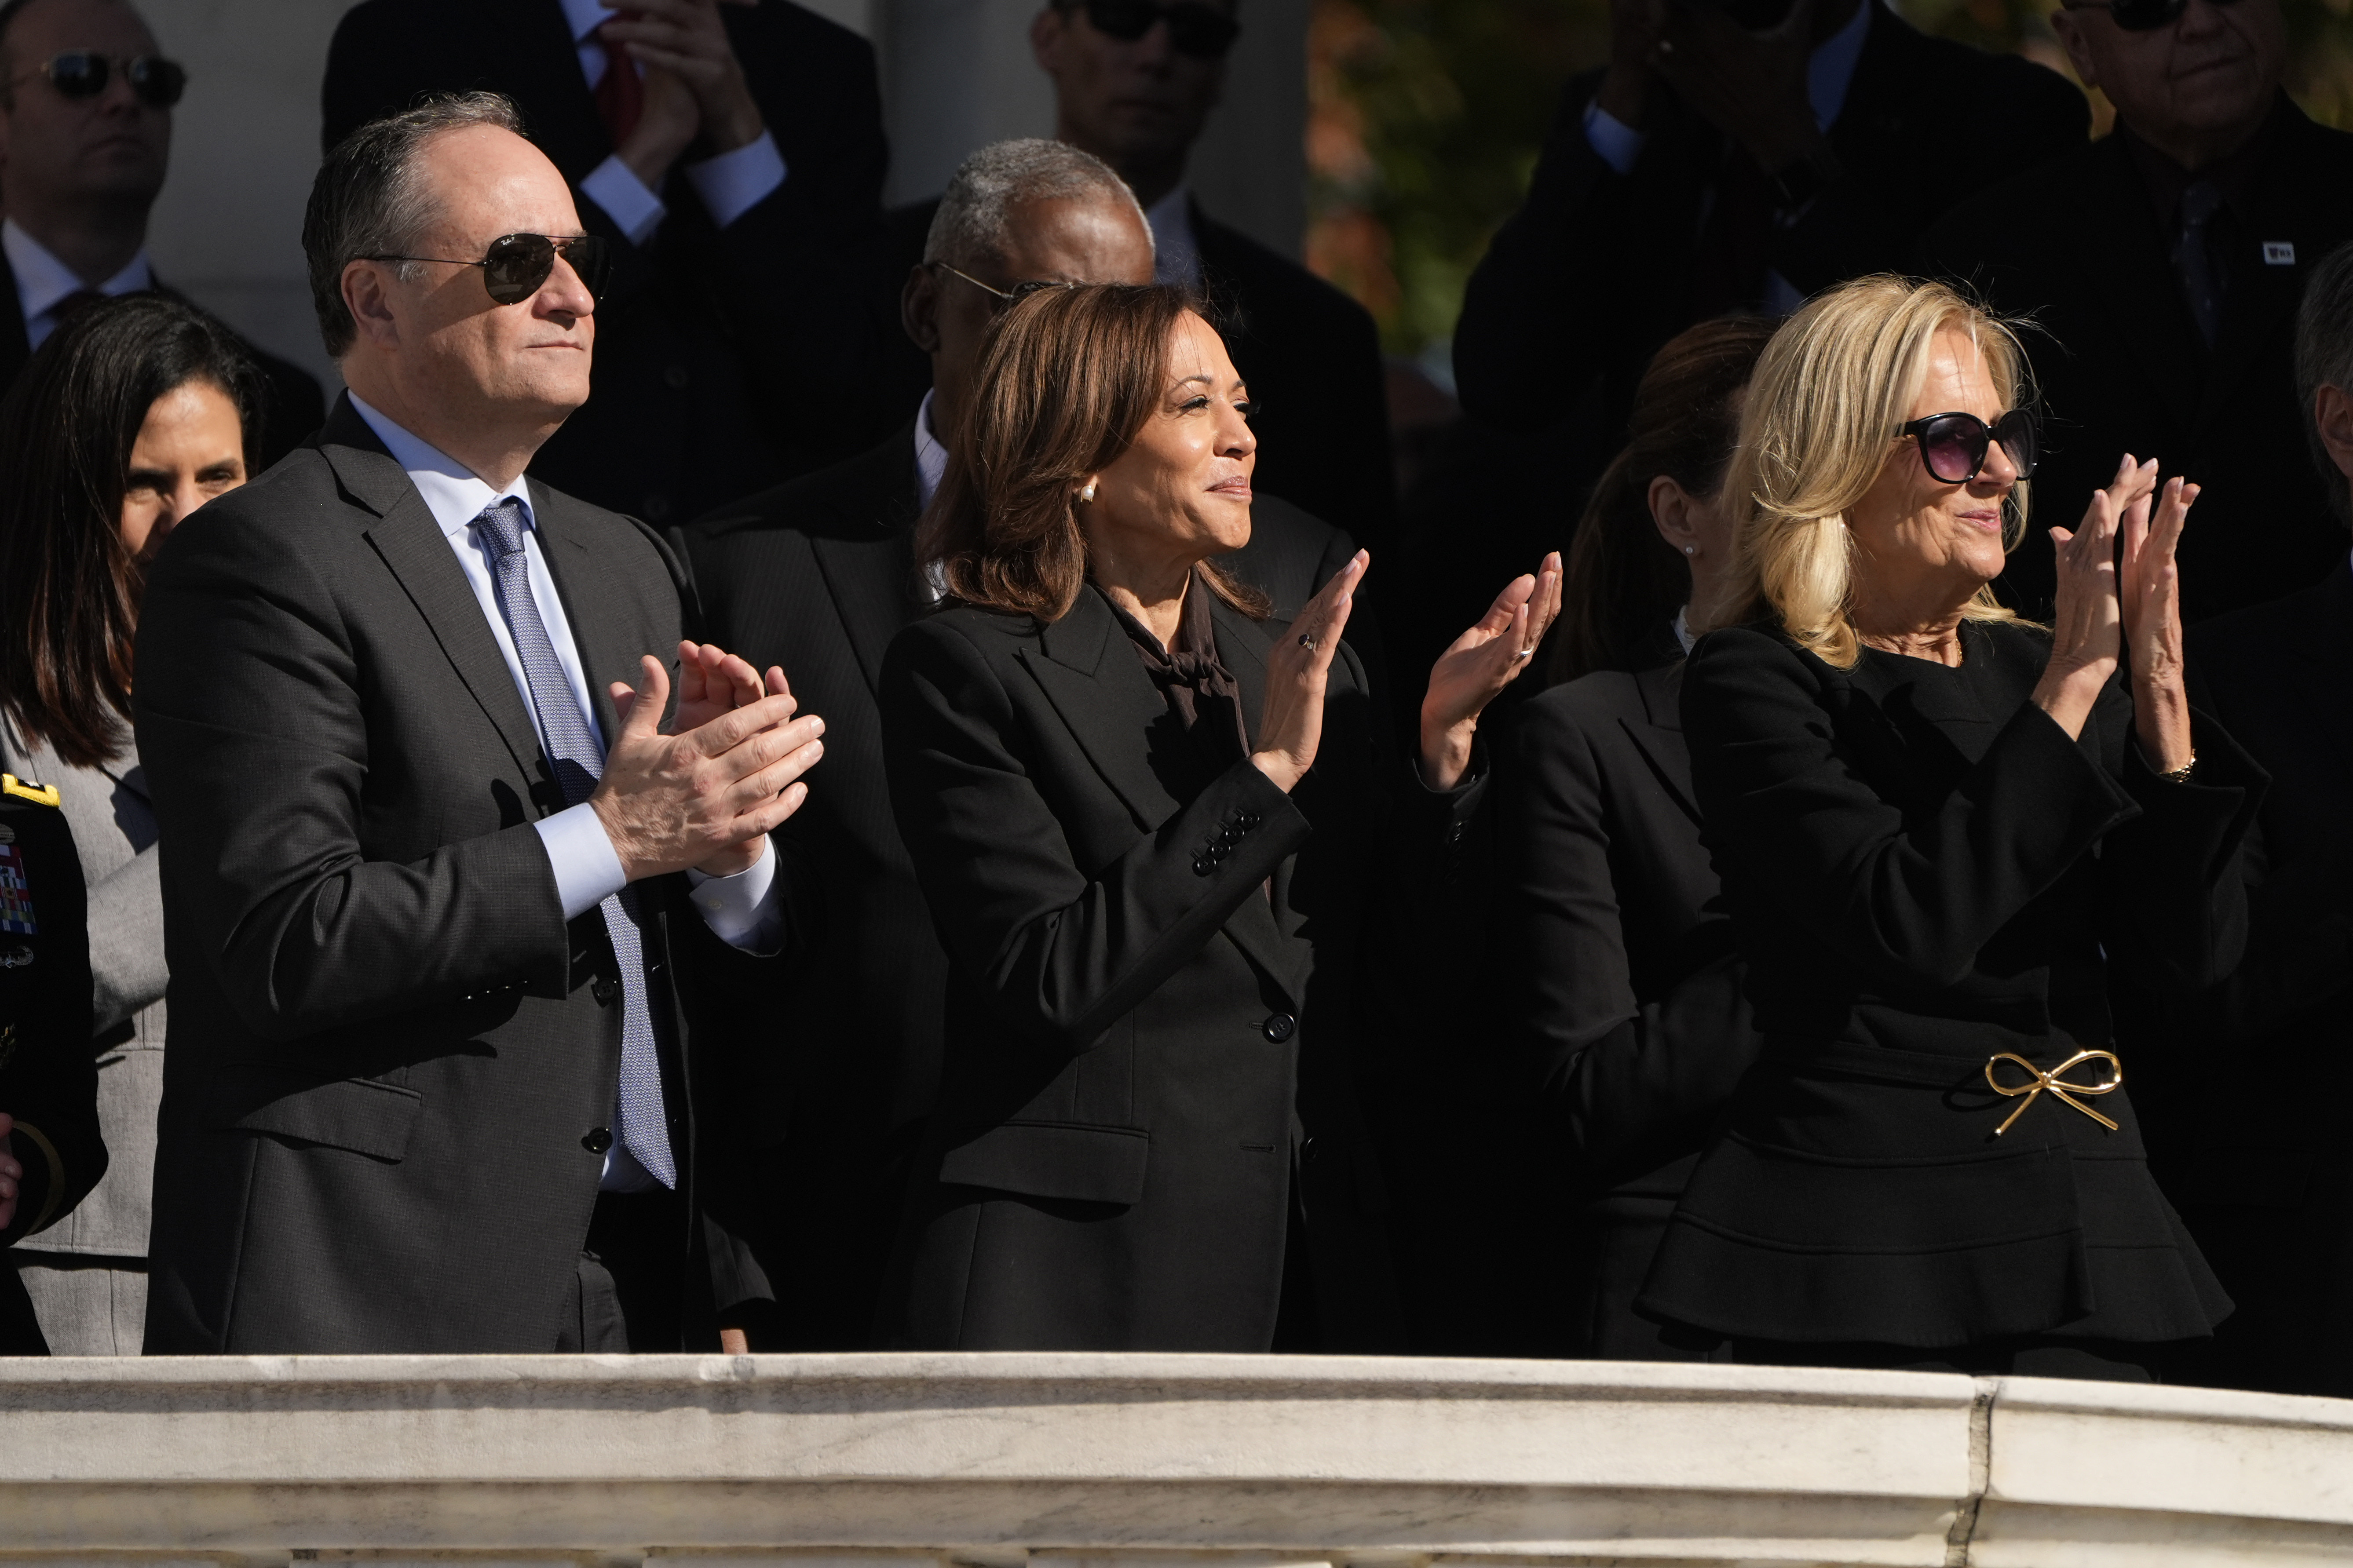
2181 774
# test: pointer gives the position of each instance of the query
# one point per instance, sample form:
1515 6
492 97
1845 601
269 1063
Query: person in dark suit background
1148 1134
1614 951
442 891
86 113
52 1151
2269 1198
1134 84
2162 265
729 159
818 576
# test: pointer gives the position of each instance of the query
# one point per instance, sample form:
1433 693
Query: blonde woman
1936 826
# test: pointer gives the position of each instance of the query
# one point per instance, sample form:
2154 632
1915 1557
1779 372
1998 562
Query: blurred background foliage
1424 117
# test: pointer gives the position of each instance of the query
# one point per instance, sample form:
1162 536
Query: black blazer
48 1074
294 406
1622 986
1149 998
1907 853
389 1053
2267 1190
718 351
818 576
2122 368
1597 268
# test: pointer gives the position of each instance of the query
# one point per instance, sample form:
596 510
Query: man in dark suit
2161 266
86 113
52 1151
2269 1193
818 576
442 895
1138 99
728 154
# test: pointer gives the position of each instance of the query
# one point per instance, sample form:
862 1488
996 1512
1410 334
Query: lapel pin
2279 253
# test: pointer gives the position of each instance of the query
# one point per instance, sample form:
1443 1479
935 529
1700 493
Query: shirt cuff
1613 141
635 210
735 183
587 872
742 911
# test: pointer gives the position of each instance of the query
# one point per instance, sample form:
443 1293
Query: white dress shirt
741 910
1175 255
931 468
730 184
42 281
1830 72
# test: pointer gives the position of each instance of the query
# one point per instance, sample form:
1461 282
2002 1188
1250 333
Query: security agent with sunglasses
727 151
455 853
818 576
1134 81
86 102
2161 266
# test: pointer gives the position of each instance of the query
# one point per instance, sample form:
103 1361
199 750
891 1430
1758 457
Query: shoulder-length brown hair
70 589
1067 379
1622 579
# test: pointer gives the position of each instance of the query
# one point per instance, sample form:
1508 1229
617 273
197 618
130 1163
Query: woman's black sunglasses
1953 446
517 264
84 73
1194 27
2141 16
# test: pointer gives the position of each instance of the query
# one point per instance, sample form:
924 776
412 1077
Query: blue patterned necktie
578 762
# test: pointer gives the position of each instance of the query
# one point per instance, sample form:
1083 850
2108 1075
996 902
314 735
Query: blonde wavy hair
1834 386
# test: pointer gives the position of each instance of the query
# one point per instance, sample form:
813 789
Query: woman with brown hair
1614 955
1149 828
133 415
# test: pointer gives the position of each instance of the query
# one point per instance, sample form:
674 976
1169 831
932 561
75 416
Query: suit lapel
16 347
1266 932
2122 254
1659 734
541 66
2263 298
1100 690
412 545
872 579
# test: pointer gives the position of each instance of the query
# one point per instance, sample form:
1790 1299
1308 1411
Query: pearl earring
1088 494
1691 548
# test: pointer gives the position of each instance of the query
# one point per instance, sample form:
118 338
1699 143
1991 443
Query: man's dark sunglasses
1195 28
1954 445
1013 296
518 264
84 73
2141 16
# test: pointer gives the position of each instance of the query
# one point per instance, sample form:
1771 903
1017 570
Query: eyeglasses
1194 27
517 264
1013 296
84 73
1954 446
2142 16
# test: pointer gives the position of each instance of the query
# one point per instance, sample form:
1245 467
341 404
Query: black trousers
629 1293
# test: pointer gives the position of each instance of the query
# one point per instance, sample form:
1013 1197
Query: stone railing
1145 1461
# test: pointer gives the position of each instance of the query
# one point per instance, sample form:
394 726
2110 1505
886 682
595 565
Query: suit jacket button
598 1140
603 990
1281 1028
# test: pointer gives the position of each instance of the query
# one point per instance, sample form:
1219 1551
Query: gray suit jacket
392 1060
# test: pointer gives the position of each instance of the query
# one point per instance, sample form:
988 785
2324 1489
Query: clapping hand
1478 665
1290 725
2149 596
694 84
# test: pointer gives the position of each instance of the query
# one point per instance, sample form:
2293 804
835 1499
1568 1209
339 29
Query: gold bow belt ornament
2039 1079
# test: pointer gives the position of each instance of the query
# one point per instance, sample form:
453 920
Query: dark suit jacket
2268 1192
2077 246
48 1074
1623 987
295 407
1310 354
818 576
1150 993
1906 851
1597 269
717 349
389 1052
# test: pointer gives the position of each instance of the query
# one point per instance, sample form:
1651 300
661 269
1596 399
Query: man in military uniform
50 1151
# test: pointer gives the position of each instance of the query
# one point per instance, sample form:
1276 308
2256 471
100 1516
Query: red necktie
620 94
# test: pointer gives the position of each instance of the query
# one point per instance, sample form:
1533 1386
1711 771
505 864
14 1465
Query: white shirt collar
1683 628
453 493
42 280
584 16
1830 68
931 458
1176 258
